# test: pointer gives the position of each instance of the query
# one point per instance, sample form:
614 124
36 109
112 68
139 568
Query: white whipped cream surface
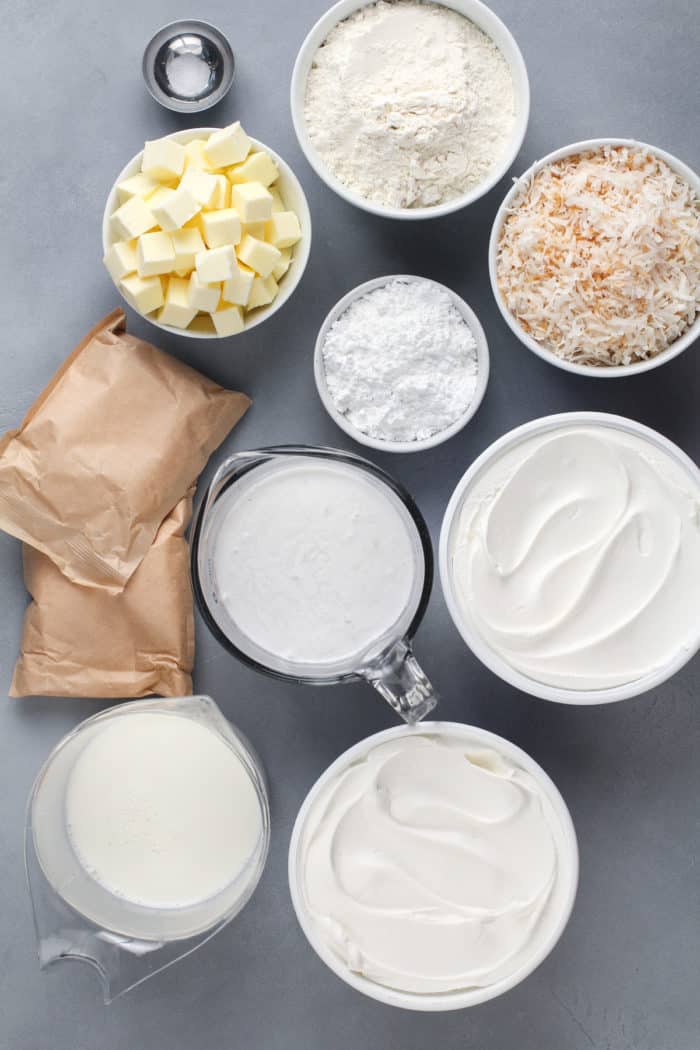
430 865
577 558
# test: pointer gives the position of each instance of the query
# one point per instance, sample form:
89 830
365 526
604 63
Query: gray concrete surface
625 974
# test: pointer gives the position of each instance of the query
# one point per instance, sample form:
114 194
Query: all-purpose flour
409 104
401 362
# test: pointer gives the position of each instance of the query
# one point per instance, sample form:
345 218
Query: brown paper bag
107 450
83 641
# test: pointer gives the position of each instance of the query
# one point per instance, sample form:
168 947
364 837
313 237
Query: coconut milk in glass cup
312 565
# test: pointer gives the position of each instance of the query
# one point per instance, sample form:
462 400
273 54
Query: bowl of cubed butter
206 232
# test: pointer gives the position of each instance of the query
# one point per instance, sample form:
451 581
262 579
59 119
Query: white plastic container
469 632
482 351
564 890
593 371
293 196
483 17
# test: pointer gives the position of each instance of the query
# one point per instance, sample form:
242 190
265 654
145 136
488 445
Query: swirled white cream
430 866
576 556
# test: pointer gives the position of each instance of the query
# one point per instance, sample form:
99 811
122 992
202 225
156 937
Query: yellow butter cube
283 229
155 254
259 256
132 219
283 265
163 159
195 157
121 259
228 319
263 292
252 201
222 196
145 294
138 185
215 264
187 243
237 289
277 202
172 211
253 229
228 146
257 167
203 296
221 227
203 186
176 310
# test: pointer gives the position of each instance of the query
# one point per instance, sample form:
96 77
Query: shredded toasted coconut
599 256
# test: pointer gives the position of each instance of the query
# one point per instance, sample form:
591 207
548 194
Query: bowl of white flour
401 363
410 109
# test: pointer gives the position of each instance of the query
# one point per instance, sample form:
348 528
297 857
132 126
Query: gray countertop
625 974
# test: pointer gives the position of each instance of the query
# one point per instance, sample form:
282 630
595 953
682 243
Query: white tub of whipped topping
147 831
570 558
433 868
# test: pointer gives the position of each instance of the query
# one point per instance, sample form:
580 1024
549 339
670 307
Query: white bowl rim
569 864
483 366
301 253
481 649
519 184
485 19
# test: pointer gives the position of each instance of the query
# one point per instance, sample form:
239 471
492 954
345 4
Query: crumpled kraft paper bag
107 450
84 642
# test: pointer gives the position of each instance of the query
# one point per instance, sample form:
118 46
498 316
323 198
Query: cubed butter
203 186
237 289
139 185
121 259
221 227
195 157
228 146
132 219
277 202
144 293
257 167
176 310
259 256
163 159
222 196
228 319
283 265
187 243
263 292
215 264
203 296
174 210
253 229
252 201
155 254
282 229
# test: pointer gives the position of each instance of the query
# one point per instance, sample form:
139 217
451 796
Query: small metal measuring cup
188 66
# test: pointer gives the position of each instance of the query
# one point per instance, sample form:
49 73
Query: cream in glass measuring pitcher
314 566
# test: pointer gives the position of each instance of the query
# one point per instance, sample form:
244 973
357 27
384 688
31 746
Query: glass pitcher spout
399 678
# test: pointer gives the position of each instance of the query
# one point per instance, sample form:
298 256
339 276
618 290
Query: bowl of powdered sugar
401 363
407 108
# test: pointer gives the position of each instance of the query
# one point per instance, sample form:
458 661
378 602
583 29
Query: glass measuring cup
75 916
386 661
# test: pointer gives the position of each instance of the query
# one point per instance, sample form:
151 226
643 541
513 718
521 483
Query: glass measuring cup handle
399 678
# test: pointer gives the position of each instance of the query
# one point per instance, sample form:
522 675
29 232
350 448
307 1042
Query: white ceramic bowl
468 630
294 198
483 17
567 871
596 372
482 351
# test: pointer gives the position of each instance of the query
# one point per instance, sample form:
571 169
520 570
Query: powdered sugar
409 104
401 362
